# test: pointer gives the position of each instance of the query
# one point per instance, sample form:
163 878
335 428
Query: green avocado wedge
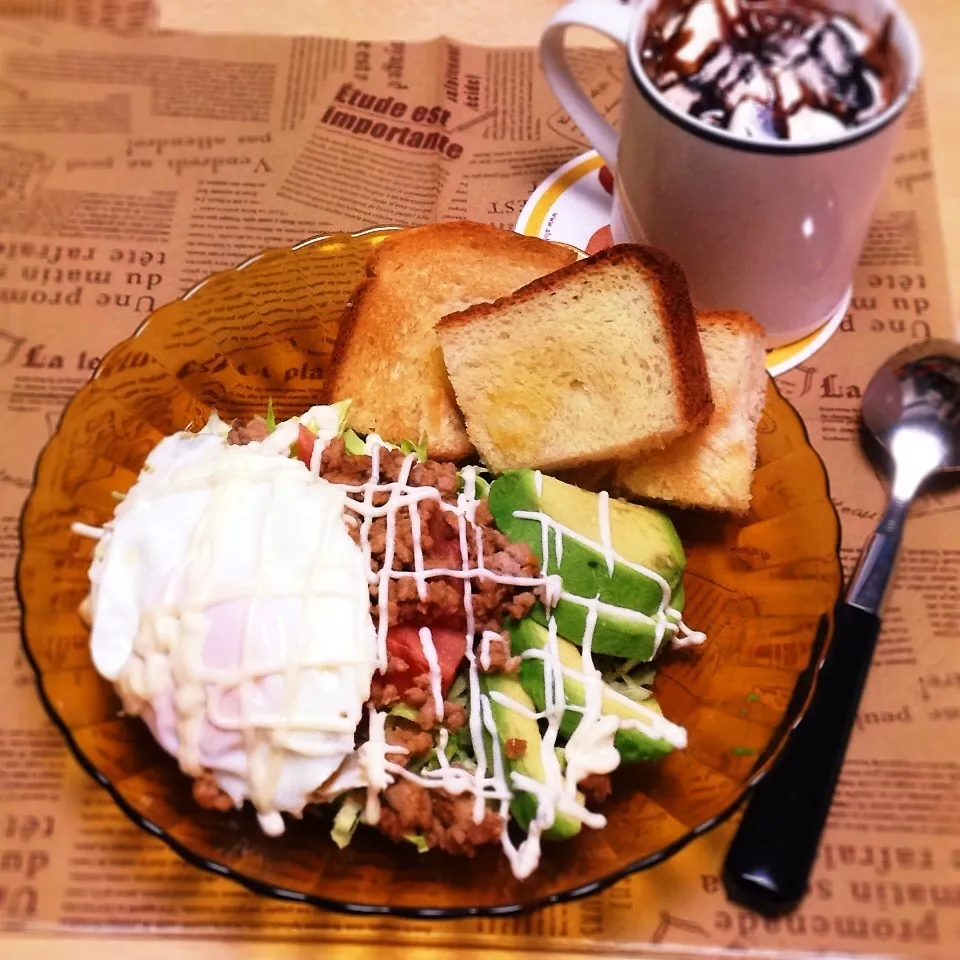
513 725
640 535
615 634
632 744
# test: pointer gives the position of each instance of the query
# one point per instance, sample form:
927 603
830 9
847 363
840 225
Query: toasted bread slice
713 467
387 358
599 360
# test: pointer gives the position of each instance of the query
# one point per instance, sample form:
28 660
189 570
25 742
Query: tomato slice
403 642
306 440
446 540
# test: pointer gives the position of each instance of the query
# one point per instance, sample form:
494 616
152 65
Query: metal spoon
912 406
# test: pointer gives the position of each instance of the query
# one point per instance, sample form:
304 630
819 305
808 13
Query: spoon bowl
918 389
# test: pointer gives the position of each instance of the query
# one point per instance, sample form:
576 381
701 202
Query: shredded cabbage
343 408
357 445
458 690
418 840
345 822
404 711
632 691
631 679
353 443
420 449
421 762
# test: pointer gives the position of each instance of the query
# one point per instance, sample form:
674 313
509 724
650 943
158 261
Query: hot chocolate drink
768 69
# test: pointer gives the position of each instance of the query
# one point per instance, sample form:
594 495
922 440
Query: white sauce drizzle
86 530
666 619
430 655
590 749
488 637
373 763
443 738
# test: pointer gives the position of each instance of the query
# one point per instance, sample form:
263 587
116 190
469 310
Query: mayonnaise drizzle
666 619
86 530
430 655
590 749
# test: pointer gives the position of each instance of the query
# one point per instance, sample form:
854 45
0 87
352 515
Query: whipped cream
768 70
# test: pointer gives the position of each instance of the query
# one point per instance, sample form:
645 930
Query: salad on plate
306 617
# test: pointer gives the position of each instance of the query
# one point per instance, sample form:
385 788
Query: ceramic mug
773 227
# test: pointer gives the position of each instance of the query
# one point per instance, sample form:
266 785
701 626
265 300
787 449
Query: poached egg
230 608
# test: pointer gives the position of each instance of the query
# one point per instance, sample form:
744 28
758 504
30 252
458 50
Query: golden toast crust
375 325
676 315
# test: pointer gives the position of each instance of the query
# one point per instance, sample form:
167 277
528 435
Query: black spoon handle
768 865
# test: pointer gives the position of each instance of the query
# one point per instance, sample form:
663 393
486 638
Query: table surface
486 21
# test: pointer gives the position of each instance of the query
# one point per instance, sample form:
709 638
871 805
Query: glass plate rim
802 694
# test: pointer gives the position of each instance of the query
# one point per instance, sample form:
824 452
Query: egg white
231 609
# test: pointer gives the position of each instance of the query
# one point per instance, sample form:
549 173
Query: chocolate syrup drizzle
770 39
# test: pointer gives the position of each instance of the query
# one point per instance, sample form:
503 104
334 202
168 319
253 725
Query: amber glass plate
762 587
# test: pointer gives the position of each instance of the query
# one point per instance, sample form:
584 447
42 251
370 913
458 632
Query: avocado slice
615 634
514 725
641 535
632 744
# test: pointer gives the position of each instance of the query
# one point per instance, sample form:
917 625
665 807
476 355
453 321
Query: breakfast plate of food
435 571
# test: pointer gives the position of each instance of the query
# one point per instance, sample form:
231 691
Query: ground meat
462 836
416 742
418 693
521 605
484 518
338 466
250 432
207 794
415 697
443 603
440 543
596 787
382 695
445 821
494 602
412 805
454 716
431 473
498 657
427 715
515 748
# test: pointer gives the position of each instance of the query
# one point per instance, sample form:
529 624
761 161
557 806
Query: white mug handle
613 20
